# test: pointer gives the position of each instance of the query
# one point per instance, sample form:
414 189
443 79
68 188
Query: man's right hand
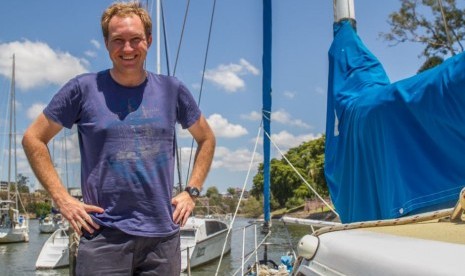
77 213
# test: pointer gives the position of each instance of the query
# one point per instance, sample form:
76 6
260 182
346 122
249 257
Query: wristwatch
192 191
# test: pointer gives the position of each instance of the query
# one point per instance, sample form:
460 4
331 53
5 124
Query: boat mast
158 39
266 110
12 137
343 9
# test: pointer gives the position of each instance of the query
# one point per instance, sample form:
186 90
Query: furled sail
392 148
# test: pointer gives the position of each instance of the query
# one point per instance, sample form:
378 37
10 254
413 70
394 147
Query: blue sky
55 40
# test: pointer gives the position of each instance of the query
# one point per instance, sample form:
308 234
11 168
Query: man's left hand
184 205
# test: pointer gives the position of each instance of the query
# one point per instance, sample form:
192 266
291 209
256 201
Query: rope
240 199
301 177
389 222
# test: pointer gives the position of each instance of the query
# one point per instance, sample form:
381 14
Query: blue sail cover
392 149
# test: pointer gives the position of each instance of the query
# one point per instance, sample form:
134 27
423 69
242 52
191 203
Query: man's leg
108 253
158 256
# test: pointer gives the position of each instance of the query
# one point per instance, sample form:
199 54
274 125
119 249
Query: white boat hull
203 249
17 234
47 227
361 252
55 252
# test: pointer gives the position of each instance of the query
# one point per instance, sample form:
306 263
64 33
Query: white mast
11 130
158 38
343 9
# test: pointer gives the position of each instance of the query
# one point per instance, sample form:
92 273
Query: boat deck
429 230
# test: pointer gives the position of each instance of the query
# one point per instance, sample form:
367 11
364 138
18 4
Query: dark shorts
112 252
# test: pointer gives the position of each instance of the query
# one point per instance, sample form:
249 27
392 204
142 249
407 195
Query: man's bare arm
35 141
206 142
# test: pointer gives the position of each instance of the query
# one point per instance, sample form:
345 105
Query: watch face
193 191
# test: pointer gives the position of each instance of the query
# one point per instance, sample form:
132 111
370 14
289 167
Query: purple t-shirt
126 138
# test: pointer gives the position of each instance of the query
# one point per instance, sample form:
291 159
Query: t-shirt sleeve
65 106
188 111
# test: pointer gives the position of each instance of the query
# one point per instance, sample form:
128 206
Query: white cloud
285 140
283 117
252 116
35 110
229 76
279 116
235 160
95 43
91 54
222 128
320 90
289 94
37 64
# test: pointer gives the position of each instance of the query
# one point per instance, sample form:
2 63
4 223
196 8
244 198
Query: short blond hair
125 10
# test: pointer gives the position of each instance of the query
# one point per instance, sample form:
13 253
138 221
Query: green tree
23 183
232 191
437 24
41 209
308 160
212 191
252 207
214 198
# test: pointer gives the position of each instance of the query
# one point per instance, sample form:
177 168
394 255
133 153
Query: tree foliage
286 185
23 183
41 209
437 24
232 191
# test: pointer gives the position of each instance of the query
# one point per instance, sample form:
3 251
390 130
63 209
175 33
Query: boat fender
308 246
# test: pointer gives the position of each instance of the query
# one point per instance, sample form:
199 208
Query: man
126 120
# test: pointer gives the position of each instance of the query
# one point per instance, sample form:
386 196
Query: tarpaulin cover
392 149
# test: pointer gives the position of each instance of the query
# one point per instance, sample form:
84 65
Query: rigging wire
165 39
5 126
240 198
202 81
301 177
181 37
176 147
446 29
179 150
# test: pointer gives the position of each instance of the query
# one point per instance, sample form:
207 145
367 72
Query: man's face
127 44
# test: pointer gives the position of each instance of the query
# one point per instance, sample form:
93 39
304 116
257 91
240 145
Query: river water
19 258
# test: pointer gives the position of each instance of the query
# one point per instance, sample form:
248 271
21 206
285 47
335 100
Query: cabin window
187 233
214 226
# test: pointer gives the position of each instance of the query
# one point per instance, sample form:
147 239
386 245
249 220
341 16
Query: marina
399 214
20 258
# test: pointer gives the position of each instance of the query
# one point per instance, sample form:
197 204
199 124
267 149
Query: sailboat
388 132
14 227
